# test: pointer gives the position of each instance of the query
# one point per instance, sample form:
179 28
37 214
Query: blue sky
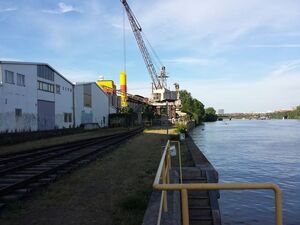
242 56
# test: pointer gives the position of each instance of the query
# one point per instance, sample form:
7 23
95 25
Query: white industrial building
91 105
34 96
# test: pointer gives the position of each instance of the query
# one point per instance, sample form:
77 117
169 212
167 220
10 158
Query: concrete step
189 176
194 180
201 218
193 193
199 202
201 222
200 212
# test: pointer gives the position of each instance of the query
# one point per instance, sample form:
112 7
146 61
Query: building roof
104 80
35 63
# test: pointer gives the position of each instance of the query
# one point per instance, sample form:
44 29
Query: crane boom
137 31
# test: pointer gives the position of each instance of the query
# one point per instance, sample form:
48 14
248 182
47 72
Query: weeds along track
22 173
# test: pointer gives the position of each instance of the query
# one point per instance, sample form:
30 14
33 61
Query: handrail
163 174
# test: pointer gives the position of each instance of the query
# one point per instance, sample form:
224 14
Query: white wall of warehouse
13 96
26 98
63 102
97 113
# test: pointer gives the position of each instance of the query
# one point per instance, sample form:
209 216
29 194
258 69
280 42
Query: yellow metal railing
162 182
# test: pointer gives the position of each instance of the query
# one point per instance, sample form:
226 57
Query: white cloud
277 90
187 60
193 61
139 88
64 34
75 75
275 46
194 24
8 9
62 8
120 26
285 68
10 59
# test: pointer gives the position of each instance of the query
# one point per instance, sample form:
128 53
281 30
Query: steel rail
10 157
47 155
67 160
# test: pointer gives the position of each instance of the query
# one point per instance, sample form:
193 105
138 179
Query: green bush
181 128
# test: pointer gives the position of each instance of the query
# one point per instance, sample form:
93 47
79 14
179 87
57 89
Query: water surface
254 151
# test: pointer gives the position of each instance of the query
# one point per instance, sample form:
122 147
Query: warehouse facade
34 96
91 105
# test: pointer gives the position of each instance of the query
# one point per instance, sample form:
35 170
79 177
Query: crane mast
159 81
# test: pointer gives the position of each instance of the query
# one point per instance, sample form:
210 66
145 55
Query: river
254 151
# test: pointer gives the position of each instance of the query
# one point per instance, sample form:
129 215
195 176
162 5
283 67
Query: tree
210 114
192 106
210 110
127 110
298 112
148 113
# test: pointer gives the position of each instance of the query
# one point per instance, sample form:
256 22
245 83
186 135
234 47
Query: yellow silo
123 89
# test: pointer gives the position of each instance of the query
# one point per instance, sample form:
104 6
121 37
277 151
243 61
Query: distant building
109 87
221 112
137 104
91 105
34 96
285 110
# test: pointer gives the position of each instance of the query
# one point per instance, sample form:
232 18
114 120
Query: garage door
46 115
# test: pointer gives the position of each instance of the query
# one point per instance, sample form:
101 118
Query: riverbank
112 190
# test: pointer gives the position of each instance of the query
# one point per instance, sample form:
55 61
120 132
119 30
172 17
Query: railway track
22 173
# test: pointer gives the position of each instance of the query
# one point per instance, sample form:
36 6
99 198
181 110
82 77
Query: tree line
195 109
294 114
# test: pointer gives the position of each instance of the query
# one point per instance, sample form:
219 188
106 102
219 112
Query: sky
240 56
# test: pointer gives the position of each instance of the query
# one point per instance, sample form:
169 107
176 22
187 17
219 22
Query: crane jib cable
124 41
158 80
152 49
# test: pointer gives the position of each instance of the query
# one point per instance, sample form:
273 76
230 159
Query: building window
45 72
43 86
68 117
20 79
9 77
18 112
87 95
57 89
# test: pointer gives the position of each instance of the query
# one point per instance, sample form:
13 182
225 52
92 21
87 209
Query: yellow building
107 86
